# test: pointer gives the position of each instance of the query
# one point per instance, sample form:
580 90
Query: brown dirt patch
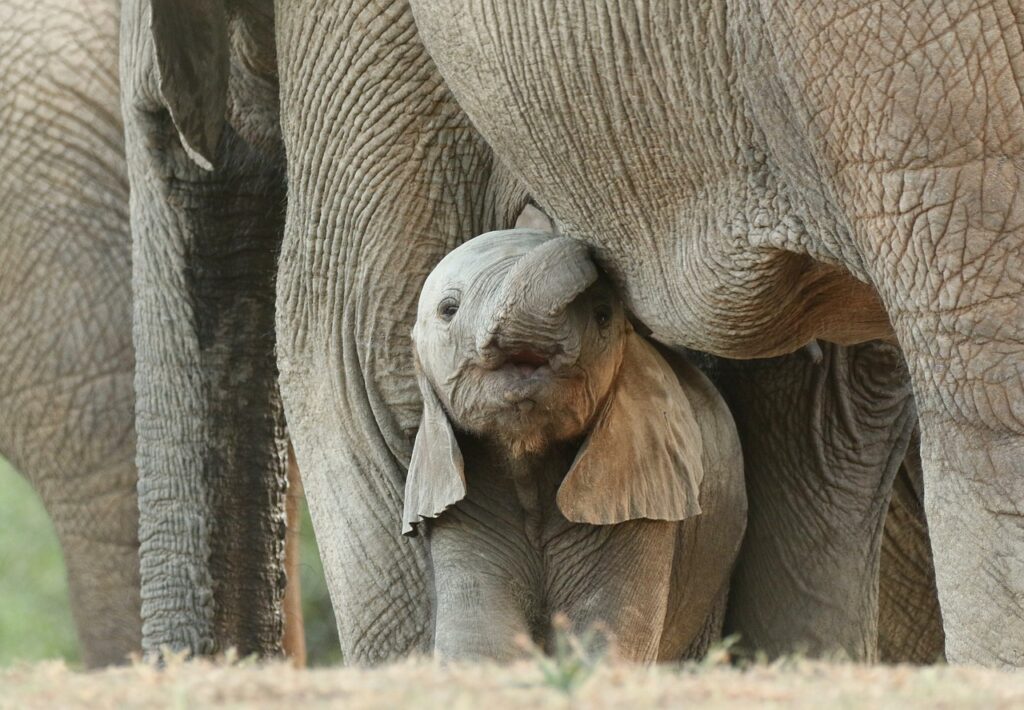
425 684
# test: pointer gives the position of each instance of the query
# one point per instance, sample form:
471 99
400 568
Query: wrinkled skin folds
751 176
211 445
66 356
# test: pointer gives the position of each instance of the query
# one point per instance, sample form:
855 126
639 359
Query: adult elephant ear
193 63
437 478
642 459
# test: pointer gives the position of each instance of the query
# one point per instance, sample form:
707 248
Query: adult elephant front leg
916 141
822 441
207 211
386 175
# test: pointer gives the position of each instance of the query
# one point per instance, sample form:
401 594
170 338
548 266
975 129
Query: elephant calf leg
617 577
483 597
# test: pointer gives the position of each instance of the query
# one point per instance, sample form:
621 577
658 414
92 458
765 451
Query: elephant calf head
521 342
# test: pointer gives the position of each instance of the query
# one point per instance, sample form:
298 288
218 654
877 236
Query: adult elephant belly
631 130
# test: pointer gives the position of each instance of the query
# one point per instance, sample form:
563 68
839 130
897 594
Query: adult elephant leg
958 311
909 621
211 446
66 404
821 444
294 634
95 516
967 363
386 175
925 176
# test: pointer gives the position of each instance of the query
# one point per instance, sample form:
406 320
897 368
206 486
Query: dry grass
425 684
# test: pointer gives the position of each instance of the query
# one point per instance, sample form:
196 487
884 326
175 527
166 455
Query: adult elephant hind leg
967 367
95 516
821 444
86 480
73 438
951 276
945 248
294 637
968 370
386 176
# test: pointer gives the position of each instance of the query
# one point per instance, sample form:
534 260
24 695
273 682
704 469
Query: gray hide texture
755 175
207 217
66 358
752 176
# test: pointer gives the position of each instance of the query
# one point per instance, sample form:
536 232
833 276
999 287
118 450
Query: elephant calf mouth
526 362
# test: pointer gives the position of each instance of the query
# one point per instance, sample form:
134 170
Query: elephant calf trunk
534 298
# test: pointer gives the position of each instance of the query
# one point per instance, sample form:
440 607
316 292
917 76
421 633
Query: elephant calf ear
437 478
192 59
642 459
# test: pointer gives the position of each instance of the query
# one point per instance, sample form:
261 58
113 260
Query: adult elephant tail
207 213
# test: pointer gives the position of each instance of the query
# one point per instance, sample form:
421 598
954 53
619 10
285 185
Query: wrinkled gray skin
749 177
212 449
557 453
818 430
757 174
909 619
65 303
820 467
199 88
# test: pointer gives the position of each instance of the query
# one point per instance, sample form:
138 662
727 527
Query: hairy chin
523 430
527 445
534 440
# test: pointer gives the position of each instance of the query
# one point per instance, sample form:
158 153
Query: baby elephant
564 463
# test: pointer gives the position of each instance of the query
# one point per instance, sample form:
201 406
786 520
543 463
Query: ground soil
529 684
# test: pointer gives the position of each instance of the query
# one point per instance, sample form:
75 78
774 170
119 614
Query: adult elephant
909 621
828 442
65 303
66 355
370 215
751 178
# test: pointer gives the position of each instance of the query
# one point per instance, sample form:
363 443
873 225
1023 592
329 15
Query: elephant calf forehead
478 254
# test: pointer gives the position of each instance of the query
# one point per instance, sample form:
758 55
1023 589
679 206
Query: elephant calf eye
447 309
603 315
